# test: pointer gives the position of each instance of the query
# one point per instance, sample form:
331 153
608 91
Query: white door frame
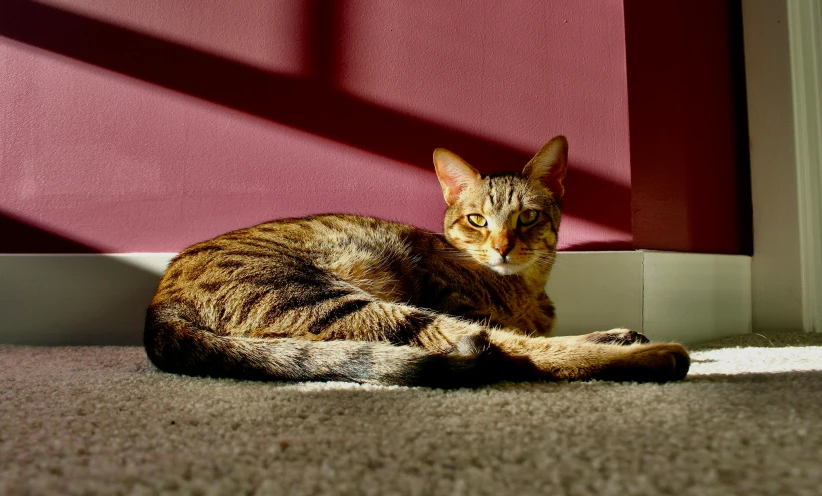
783 61
805 31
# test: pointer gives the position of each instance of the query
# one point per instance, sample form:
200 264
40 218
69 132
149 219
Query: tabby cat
340 297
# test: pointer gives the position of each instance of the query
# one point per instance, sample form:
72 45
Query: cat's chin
507 268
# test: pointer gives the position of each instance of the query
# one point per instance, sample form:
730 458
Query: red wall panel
684 189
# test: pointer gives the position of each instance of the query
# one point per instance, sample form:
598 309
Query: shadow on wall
71 298
281 99
22 237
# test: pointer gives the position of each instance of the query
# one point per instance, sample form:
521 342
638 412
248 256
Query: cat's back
376 255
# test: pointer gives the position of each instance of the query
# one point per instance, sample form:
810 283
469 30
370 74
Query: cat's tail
176 343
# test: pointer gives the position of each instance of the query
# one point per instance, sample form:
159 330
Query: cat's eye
528 217
477 220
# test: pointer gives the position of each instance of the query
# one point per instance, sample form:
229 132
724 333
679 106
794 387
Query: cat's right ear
454 173
549 165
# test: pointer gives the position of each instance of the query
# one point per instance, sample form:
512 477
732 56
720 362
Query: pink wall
146 126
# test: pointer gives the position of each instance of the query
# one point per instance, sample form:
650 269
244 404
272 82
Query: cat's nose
503 247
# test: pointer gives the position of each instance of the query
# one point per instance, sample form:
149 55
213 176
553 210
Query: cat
347 298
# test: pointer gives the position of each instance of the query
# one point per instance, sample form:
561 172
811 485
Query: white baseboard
77 299
693 298
684 297
101 299
595 291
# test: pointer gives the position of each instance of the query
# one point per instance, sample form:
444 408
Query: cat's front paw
616 336
659 362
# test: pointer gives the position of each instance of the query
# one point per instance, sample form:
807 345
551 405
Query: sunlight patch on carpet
730 361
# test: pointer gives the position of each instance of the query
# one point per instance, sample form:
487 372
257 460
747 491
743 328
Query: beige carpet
747 420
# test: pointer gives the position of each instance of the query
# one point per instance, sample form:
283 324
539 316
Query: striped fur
340 297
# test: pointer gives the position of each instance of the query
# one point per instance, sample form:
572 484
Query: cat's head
506 221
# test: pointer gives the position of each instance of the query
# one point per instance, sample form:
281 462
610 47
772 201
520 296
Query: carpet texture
747 420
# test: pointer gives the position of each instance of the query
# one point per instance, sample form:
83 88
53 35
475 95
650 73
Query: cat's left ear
549 166
454 173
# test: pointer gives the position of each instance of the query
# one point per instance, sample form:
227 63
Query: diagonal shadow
309 105
22 237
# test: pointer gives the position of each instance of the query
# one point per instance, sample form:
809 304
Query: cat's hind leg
487 354
497 354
